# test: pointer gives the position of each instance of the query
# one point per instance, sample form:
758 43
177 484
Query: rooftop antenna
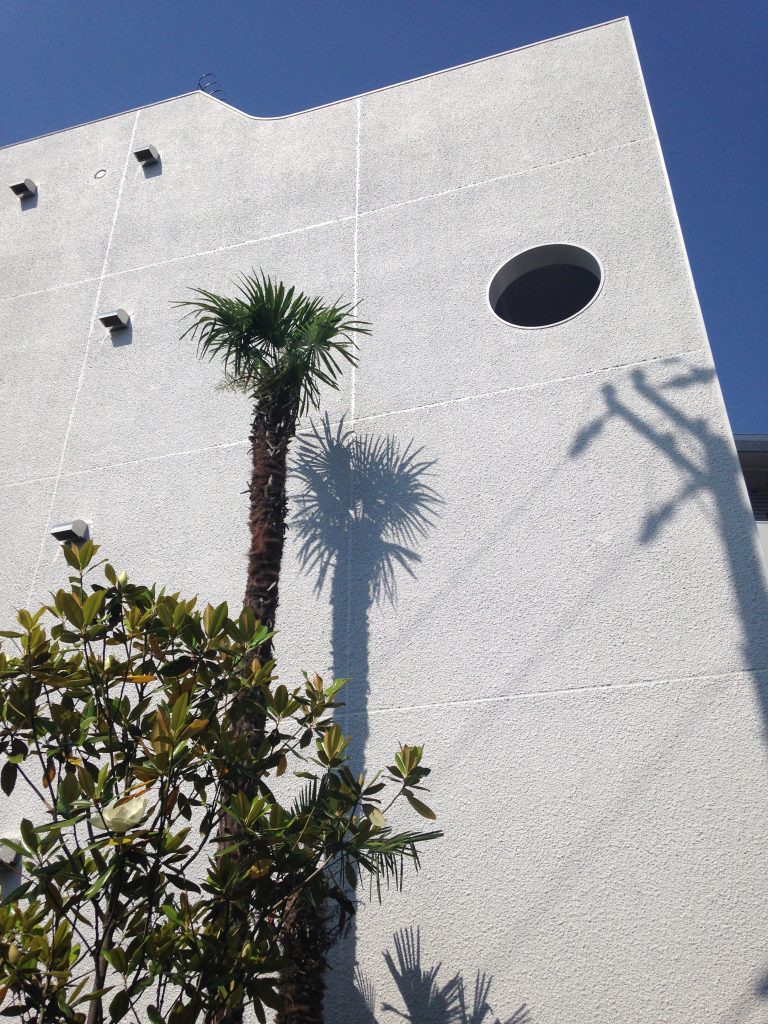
209 84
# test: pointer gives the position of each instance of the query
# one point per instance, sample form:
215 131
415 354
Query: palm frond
272 338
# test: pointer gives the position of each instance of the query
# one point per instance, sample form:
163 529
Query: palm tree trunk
272 428
304 936
302 979
271 433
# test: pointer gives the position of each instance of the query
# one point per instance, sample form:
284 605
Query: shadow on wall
425 998
10 875
712 471
364 505
708 467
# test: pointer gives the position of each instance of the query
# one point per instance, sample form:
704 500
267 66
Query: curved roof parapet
332 103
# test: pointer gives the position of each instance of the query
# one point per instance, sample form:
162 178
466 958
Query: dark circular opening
545 285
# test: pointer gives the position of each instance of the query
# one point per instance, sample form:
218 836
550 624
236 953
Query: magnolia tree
119 711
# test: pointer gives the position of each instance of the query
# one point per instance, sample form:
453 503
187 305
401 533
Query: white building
582 638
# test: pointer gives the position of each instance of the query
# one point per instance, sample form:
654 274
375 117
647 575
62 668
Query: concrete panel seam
157 457
184 452
52 288
635 684
534 385
352 393
83 367
187 256
509 174
354 217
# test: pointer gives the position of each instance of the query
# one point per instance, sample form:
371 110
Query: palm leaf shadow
427 1000
367 494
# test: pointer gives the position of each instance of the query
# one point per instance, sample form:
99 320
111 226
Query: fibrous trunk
271 433
273 427
302 979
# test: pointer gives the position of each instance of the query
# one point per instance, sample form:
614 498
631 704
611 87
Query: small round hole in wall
545 285
100 173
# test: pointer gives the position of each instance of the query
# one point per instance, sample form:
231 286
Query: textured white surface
62 235
582 641
615 870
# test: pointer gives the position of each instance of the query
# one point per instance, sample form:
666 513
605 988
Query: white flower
121 815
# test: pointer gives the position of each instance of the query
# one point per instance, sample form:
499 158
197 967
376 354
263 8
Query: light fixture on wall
115 320
75 532
24 189
147 156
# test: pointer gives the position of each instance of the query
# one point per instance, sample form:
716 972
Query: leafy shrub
123 718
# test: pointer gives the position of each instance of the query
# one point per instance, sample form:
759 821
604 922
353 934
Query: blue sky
68 61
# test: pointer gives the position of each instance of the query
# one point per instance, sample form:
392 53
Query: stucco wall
581 639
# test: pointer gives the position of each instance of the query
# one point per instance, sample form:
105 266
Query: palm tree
280 347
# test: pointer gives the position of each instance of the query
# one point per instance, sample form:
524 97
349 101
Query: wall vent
24 189
115 320
147 156
76 531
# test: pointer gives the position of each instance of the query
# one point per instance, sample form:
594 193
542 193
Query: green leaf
97 993
92 606
117 959
181 1014
179 711
100 882
177 667
119 1006
331 691
59 824
24 618
8 777
71 608
71 555
213 618
419 807
27 830
153 1016
171 913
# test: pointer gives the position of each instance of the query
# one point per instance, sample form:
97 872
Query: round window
545 286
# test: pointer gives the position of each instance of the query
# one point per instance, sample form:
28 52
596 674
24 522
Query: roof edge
320 106
751 442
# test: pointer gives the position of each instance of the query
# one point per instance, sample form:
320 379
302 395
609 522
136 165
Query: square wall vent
24 189
147 156
115 320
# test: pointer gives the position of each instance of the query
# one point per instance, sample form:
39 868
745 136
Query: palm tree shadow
363 506
427 1000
